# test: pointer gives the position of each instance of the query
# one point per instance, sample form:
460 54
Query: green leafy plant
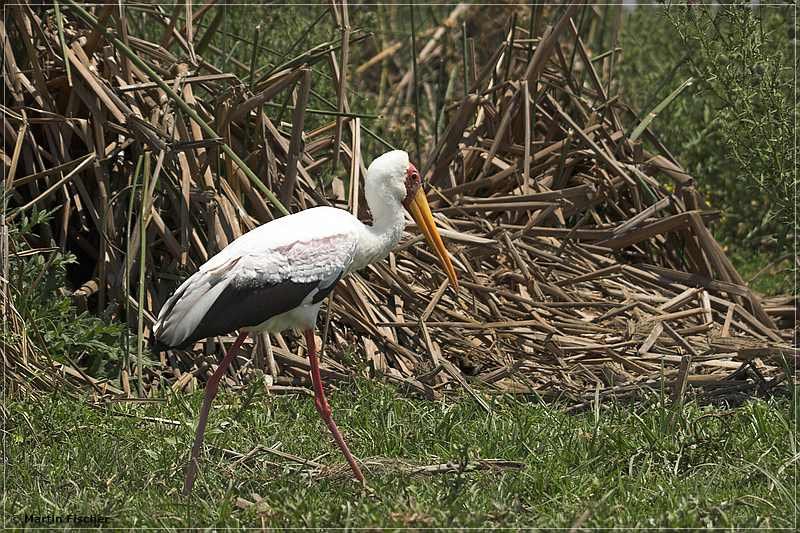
742 58
38 291
733 130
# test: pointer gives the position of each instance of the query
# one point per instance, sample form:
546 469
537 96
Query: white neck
376 241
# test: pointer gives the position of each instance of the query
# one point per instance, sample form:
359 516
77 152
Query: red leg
211 392
324 409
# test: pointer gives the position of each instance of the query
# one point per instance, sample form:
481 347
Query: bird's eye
413 182
413 179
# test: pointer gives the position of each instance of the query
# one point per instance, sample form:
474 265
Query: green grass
764 273
616 466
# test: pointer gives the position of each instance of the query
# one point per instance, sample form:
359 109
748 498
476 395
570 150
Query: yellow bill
421 212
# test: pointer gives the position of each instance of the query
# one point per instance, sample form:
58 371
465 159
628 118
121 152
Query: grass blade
658 109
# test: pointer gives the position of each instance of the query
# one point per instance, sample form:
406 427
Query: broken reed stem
465 57
341 90
296 141
89 19
142 268
417 139
325 112
254 55
659 108
60 24
509 44
534 7
126 268
211 30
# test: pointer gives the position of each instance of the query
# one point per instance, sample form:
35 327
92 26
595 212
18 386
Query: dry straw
588 268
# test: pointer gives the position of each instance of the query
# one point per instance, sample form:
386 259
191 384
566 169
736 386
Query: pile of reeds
586 262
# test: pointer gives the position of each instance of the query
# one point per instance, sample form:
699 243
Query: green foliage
38 281
644 466
733 129
764 274
744 61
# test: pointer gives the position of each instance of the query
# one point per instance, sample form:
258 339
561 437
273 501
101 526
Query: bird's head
393 175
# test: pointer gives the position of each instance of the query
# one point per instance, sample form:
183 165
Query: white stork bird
275 278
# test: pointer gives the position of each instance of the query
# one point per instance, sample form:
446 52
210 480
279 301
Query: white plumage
286 267
276 276
267 256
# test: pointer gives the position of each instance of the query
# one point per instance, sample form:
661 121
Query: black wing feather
247 306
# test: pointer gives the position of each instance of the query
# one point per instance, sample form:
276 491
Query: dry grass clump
588 268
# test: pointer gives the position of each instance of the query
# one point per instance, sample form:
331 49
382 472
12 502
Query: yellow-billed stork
276 276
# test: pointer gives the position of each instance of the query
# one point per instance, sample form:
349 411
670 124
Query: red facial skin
413 182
